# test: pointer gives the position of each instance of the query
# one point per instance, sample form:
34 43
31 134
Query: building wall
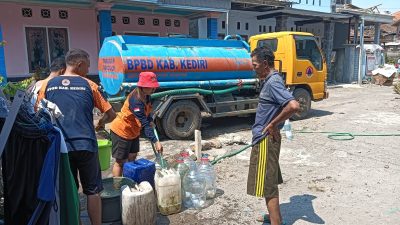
220 4
341 35
261 26
81 25
314 5
398 32
315 28
243 18
161 29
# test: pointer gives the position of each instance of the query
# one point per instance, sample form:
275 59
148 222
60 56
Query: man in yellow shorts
276 104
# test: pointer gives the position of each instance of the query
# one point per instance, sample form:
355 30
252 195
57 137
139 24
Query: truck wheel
304 99
181 120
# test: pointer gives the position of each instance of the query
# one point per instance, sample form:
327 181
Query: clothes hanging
38 184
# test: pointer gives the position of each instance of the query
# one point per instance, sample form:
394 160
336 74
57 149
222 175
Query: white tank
138 205
168 188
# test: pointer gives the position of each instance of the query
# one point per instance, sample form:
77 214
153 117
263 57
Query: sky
387 5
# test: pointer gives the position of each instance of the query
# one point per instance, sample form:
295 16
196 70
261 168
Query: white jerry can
138 205
168 188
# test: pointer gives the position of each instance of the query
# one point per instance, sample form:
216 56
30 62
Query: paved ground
325 181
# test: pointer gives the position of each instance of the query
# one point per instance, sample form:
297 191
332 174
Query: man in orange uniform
135 115
76 96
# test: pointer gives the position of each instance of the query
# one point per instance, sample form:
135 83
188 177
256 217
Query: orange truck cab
301 62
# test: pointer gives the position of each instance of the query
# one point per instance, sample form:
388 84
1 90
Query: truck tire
304 99
181 120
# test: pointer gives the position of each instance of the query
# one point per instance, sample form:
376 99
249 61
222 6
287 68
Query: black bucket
111 198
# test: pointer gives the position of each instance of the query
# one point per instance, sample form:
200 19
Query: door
310 67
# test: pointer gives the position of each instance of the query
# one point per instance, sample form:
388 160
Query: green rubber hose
230 154
200 91
338 136
190 91
346 136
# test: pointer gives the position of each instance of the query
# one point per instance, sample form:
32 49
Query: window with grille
125 20
26 12
156 22
177 23
44 44
63 14
45 13
141 21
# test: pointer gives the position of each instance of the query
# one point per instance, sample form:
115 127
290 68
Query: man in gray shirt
276 104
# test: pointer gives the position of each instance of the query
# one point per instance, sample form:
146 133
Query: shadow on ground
318 113
300 207
162 220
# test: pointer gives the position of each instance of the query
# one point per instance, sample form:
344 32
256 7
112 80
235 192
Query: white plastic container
168 188
207 171
138 205
195 189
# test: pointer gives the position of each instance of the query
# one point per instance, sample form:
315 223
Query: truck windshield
271 43
306 48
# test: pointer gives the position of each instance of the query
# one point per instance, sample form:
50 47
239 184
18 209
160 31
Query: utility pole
361 69
227 23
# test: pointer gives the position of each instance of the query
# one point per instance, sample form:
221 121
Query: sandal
265 219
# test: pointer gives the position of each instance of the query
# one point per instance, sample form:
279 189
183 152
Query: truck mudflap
326 94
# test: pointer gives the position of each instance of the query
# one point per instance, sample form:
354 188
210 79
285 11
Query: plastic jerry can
140 170
138 205
169 192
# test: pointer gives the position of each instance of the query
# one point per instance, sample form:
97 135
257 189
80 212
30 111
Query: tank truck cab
301 64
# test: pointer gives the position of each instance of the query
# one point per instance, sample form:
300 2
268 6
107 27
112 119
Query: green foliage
390 60
11 88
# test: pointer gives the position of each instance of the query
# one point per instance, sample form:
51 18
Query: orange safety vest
126 124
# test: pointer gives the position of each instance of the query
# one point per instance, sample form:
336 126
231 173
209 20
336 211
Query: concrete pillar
377 37
333 6
361 69
329 30
227 24
105 25
212 28
3 72
281 23
356 24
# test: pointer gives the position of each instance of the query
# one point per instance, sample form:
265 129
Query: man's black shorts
88 165
121 147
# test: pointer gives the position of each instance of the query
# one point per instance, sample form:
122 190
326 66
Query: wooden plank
197 140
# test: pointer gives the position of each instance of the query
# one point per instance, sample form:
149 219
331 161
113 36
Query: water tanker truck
208 76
